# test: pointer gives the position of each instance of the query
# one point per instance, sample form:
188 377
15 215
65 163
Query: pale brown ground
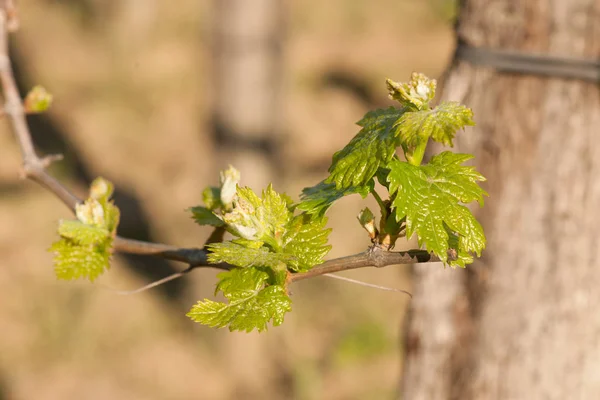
130 93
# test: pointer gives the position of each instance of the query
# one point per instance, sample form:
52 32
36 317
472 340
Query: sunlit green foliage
374 145
252 302
270 241
85 245
429 197
275 238
426 199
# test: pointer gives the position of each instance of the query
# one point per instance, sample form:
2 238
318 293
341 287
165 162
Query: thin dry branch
34 168
373 257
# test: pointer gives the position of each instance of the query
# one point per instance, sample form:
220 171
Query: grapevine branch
34 168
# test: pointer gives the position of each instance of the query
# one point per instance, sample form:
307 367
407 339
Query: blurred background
157 97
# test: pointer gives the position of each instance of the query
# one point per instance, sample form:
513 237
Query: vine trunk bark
522 322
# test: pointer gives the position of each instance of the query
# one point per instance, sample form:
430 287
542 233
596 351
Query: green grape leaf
85 246
306 240
111 217
270 236
374 145
251 305
255 218
290 204
457 255
239 280
275 212
204 216
316 200
82 233
251 244
440 124
242 256
75 260
429 197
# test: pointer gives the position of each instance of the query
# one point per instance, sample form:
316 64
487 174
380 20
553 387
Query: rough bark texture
523 321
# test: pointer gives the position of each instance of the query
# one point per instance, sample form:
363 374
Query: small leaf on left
85 245
204 216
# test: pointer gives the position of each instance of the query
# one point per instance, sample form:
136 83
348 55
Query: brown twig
374 257
34 168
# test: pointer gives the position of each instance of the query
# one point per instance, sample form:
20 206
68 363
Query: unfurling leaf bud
418 92
229 181
37 100
101 189
367 221
90 212
243 220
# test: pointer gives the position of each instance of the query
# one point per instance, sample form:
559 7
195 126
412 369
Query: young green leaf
274 212
82 233
204 216
374 145
255 218
440 124
306 240
303 245
85 246
251 310
316 200
241 280
74 259
251 304
456 254
269 236
243 256
428 196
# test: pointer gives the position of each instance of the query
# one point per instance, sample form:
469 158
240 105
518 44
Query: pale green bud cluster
242 219
229 180
90 212
419 92
101 189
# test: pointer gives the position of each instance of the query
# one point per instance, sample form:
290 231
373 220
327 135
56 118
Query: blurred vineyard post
523 322
248 38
